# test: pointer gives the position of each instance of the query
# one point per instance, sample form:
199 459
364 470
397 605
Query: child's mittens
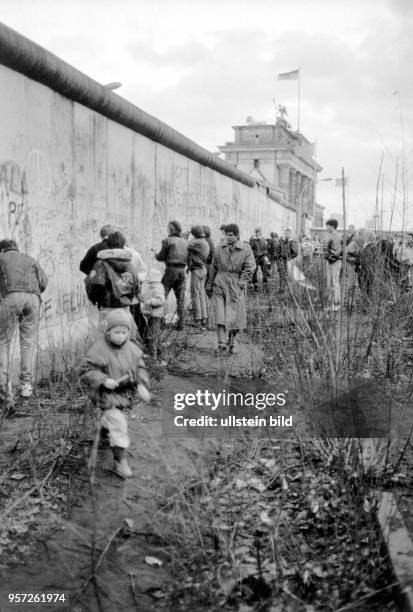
144 393
110 383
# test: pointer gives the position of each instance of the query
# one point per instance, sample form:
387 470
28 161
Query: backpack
123 284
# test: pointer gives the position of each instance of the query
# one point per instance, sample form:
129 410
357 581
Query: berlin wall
71 161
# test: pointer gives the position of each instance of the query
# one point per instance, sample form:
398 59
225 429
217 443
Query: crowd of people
131 300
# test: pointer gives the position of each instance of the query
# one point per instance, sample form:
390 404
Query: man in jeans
21 282
333 255
287 249
197 259
174 252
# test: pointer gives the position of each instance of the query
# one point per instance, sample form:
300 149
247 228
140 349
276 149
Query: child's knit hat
118 317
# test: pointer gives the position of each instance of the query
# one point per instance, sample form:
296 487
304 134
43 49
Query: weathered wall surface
65 170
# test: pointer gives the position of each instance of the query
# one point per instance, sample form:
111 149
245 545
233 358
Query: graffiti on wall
71 303
13 195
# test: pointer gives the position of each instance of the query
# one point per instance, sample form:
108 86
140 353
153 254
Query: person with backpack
333 256
89 260
113 282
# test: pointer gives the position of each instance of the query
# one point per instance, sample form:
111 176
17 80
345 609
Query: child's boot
121 466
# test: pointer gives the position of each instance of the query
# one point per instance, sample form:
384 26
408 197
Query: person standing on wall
231 271
174 252
89 260
22 281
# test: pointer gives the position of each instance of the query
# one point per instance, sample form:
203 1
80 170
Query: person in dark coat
198 252
174 252
207 232
273 244
259 247
114 282
89 260
287 249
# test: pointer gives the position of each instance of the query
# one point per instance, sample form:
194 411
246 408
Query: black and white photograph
206 306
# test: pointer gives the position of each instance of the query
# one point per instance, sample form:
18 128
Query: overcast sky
203 66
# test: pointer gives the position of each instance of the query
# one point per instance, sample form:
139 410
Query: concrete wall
65 170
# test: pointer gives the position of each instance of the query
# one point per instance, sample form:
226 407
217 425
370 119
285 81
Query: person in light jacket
152 298
115 372
231 270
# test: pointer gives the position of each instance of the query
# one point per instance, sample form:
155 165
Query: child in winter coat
152 298
114 370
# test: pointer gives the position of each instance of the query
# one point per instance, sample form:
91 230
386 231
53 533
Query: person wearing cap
115 372
174 252
22 281
231 270
89 260
152 298
198 251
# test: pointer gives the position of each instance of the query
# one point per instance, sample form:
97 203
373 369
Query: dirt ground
113 529
122 517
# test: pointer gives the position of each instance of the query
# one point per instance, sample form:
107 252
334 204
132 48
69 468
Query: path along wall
66 169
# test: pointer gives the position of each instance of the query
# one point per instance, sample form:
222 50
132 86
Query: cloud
204 66
183 55
402 7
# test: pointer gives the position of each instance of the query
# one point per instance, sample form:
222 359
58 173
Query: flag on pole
293 75
339 182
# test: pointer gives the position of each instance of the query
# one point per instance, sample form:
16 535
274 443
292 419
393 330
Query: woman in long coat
231 270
